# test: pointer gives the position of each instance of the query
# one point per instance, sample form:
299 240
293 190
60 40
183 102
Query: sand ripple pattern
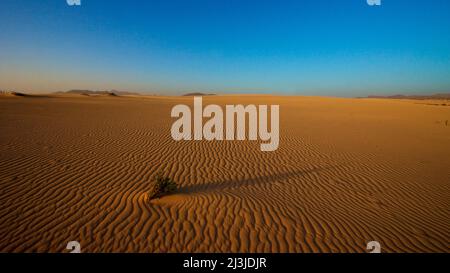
347 172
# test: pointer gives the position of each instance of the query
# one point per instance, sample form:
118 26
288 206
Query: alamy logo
237 115
374 2
74 246
73 2
374 247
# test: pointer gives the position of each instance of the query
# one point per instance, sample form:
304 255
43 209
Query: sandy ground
347 171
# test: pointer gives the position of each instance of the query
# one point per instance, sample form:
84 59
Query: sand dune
347 171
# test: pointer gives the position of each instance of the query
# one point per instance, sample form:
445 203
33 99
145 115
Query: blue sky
312 47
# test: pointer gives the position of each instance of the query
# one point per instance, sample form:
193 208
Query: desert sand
347 171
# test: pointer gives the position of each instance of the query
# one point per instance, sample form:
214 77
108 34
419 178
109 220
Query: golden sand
347 171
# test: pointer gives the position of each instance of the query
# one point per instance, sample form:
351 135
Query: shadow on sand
252 181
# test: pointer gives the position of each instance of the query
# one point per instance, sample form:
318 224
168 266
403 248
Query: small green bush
161 185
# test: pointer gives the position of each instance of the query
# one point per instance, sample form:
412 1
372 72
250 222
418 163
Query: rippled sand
347 171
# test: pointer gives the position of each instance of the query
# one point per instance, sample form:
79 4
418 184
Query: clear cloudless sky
312 47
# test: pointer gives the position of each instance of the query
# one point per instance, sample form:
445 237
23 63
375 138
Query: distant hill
11 94
98 93
125 93
197 94
442 96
